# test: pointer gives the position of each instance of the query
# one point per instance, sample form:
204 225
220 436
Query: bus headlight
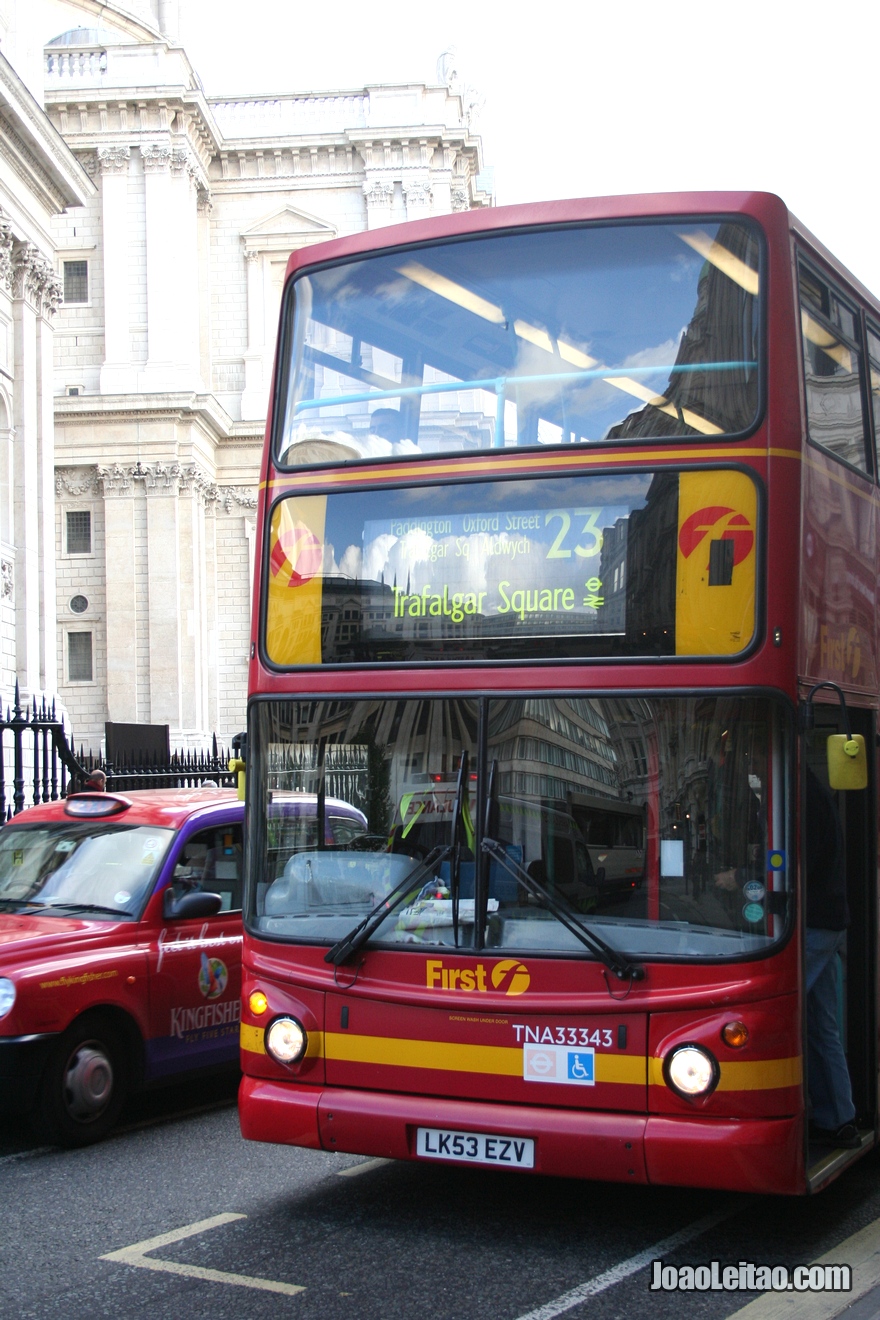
691 1071
286 1040
7 995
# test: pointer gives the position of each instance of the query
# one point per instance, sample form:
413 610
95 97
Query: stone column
160 224
185 261
254 401
26 298
49 302
167 596
120 562
172 269
117 373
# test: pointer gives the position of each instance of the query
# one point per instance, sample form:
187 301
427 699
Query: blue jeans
830 1089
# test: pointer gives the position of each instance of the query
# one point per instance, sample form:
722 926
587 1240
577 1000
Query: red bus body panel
817 620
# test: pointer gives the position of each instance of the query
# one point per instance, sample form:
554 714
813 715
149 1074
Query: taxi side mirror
197 903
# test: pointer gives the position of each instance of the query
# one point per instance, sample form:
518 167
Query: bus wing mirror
847 762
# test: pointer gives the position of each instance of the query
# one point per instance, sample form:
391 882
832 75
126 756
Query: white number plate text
475 1147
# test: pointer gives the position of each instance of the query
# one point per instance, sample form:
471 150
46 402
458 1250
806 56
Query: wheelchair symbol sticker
580 1067
563 1067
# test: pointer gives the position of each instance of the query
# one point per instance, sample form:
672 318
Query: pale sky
583 99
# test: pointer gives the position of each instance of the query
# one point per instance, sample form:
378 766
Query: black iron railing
46 768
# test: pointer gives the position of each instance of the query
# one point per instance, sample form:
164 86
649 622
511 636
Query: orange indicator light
258 1003
735 1034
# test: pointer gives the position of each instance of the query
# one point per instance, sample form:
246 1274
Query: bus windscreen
565 335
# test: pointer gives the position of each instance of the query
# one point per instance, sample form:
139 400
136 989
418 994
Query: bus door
857 967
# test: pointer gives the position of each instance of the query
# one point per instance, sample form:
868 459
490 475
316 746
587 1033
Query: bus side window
874 384
832 371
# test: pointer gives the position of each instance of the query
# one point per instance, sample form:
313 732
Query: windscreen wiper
350 943
72 906
614 961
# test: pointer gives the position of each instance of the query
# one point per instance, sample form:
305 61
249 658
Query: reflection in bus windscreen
652 563
561 336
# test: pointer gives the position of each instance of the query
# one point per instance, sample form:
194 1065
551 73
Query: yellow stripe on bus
754 1075
490 466
251 1039
452 1056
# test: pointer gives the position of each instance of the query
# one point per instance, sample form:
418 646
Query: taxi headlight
7 995
286 1040
691 1071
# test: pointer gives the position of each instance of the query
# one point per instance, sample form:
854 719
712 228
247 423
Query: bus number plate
475 1148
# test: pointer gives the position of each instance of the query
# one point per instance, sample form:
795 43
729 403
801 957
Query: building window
79 604
79 533
76 281
79 657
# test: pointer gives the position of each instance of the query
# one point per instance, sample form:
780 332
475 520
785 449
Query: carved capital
6 242
418 194
156 157
379 192
7 581
194 481
460 201
113 159
34 279
115 480
76 482
183 164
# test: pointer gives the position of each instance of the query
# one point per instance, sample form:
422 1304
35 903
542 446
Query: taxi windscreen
91 868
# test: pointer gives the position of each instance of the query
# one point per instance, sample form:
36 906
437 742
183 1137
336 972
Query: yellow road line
861 1251
135 1255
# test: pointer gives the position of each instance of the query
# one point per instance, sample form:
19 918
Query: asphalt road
343 1238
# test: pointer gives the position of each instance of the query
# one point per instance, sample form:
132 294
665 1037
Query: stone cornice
179 407
44 161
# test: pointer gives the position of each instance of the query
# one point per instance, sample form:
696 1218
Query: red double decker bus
566 510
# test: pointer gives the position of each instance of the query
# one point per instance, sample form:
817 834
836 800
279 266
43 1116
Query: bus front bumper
749 1155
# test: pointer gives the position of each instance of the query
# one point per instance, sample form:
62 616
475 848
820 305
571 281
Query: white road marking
135 1255
625 1268
366 1167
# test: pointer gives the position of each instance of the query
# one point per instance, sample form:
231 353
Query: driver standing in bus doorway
832 1109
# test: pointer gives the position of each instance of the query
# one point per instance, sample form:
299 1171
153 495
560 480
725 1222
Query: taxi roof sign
95 805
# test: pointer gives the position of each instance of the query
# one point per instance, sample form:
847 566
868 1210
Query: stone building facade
39 178
165 339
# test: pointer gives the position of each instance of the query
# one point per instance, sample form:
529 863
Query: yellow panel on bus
296 558
716 556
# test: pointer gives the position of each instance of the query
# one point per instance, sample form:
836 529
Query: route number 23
593 534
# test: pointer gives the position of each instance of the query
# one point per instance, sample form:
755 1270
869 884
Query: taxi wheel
84 1085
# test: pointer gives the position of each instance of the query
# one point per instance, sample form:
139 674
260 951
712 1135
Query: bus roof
571 211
